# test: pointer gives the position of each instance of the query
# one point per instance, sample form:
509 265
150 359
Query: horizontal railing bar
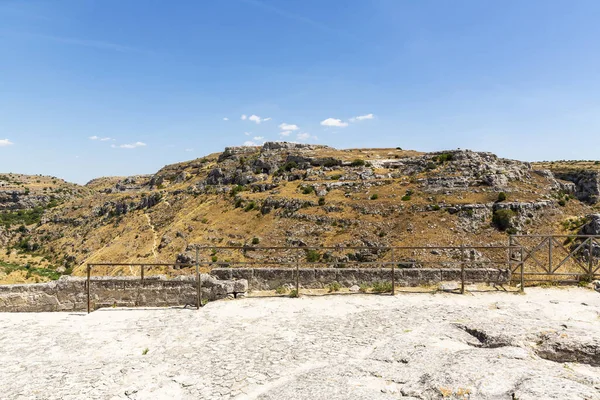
556 236
466 247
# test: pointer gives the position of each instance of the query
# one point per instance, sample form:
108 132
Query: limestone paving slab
545 344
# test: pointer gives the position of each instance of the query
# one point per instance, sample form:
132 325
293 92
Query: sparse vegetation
501 196
313 255
502 219
358 163
255 241
321 201
250 206
382 287
281 290
374 196
334 287
294 293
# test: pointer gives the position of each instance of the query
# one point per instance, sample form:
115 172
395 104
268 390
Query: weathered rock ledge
69 293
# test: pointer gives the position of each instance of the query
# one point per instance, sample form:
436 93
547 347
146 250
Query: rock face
592 227
316 278
587 184
69 294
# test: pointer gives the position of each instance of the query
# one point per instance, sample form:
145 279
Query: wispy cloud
244 117
285 133
362 117
101 139
258 138
129 146
5 143
225 119
299 18
334 122
250 143
97 44
189 150
288 127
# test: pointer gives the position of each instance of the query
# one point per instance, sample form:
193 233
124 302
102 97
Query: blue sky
165 81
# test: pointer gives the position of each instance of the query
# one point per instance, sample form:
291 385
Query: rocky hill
288 194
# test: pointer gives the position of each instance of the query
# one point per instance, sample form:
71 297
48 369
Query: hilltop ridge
296 194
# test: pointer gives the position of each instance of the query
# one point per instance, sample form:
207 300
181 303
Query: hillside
284 194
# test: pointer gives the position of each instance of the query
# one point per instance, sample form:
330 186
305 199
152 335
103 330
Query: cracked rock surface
495 345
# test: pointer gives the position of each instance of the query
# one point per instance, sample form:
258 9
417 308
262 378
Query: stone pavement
545 344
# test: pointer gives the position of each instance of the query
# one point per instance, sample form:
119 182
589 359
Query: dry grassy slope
157 218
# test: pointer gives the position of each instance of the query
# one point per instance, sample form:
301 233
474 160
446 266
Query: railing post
462 269
522 272
89 269
591 259
510 254
550 263
393 274
198 280
298 278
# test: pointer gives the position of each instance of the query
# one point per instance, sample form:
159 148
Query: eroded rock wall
69 293
315 278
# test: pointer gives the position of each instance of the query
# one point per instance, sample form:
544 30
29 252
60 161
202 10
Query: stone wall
315 278
69 293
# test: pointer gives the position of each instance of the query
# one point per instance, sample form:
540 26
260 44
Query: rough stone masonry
69 293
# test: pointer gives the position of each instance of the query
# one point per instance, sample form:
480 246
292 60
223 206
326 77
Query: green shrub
313 255
374 196
436 207
358 163
406 197
502 219
382 287
238 203
308 190
334 287
562 203
501 196
281 290
250 206
321 201
364 288
237 189
294 293
442 158
335 177
255 240
214 259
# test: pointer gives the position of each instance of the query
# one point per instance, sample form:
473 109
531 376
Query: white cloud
130 145
104 139
247 133
258 138
338 123
225 119
189 150
285 133
250 143
362 117
288 127
5 142
244 117
257 119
